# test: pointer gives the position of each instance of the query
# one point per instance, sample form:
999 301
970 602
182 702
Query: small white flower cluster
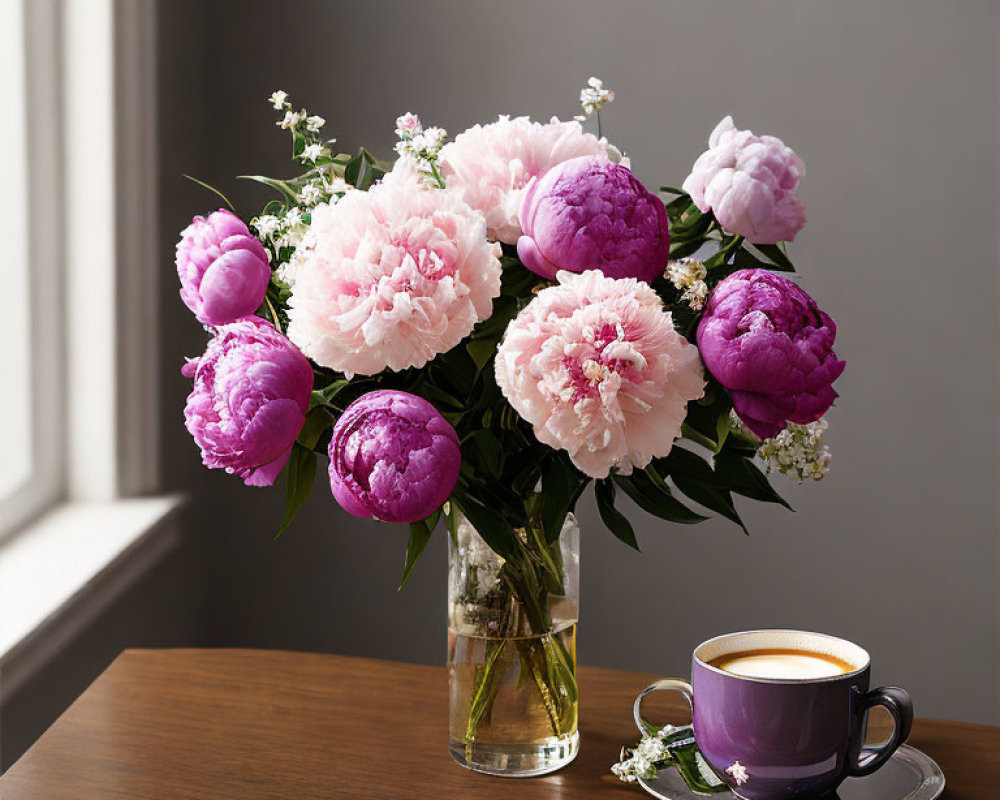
689 276
739 773
798 451
292 117
421 144
284 231
593 97
641 762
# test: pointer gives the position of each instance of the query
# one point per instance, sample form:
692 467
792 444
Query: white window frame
45 484
91 112
86 528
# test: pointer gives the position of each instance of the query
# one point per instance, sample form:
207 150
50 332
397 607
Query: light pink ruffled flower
490 165
390 277
596 366
749 182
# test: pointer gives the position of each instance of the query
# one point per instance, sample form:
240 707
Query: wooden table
246 724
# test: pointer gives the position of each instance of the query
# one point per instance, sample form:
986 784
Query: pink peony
391 277
595 365
588 213
749 182
249 400
490 165
393 457
223 269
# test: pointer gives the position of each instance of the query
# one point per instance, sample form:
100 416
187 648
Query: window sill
58 574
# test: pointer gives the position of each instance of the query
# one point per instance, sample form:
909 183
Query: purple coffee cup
779 738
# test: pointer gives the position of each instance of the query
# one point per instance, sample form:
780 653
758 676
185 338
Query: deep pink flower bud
223 269
767 342
393 457
587 213
249 401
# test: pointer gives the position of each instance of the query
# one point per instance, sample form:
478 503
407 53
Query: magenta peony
390 277
249 401
587 213
223 269
490 165
595 365
749 183
393 457
767 342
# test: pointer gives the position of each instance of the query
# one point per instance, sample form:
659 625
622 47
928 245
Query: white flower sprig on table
643 760
688 277
798 451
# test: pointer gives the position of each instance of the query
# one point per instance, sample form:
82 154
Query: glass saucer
909 775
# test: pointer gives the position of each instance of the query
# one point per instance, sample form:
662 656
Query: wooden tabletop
247 724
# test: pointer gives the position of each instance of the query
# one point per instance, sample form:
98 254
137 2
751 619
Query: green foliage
420 534
614 520
299 473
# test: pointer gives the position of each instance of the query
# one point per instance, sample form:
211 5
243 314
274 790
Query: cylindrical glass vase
512 650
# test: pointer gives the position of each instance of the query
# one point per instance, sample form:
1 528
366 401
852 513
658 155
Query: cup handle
897 702
674 684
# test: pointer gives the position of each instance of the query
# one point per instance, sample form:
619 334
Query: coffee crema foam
782 664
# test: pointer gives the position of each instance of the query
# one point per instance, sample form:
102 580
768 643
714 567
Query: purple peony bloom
223 269
587 213
393 457
768 343
250 398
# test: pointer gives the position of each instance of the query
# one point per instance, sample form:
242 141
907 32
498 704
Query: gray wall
893 106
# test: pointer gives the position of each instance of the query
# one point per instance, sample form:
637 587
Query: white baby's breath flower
314 123
291 119
313 151
738 772
798 451
278 99
408 125
688 277
310 194
594 96
293 217
266 225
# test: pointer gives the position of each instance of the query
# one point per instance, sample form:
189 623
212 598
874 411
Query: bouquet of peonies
487 326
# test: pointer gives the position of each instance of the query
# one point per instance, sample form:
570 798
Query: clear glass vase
512 650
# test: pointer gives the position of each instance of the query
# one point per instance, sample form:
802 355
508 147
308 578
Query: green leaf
718 500
483 448
280 186
488 524
558 487
317 423
327 393
684 249
656 500
480 351
213 190
740 475
420 533
299 474
672 190
616 522
689 432
777 256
